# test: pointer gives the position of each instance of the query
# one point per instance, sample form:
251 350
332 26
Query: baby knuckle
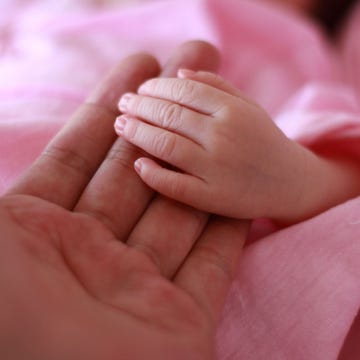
170 116
184 91
164 145
175 188
138 106
226 110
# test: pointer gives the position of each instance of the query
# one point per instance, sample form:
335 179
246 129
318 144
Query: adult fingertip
194 54
185 73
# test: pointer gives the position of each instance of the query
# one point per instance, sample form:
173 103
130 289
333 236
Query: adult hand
83 272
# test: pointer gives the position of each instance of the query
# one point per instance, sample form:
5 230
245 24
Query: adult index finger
209 269
66 166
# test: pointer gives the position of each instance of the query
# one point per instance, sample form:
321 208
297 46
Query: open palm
89 269
78 292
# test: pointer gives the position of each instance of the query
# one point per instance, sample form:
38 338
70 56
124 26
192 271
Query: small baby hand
230 157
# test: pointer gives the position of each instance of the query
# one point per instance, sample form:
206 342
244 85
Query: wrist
321 182
287 195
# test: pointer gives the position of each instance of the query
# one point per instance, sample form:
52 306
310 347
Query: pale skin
229 156
85 272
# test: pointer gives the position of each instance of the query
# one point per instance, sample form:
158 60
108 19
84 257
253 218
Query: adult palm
85 271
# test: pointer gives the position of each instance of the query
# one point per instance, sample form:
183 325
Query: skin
351 347
229 156
85 272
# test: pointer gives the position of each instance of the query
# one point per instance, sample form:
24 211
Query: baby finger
162 144
184 188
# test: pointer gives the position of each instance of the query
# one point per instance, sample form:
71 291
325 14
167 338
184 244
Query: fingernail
138 165
124 102
120 124
184 73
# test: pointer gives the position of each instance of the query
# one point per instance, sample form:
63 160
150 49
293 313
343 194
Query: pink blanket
297 291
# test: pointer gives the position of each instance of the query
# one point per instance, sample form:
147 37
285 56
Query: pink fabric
297 291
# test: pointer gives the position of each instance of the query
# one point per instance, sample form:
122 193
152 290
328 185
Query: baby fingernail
120 124
137 166
123 103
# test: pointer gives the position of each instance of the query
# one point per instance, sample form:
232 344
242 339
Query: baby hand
229 156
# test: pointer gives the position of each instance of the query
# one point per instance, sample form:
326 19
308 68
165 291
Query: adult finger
68 163
116 195
208 271
350 349
166 233
194 55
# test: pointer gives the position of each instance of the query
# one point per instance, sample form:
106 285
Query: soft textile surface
297 291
